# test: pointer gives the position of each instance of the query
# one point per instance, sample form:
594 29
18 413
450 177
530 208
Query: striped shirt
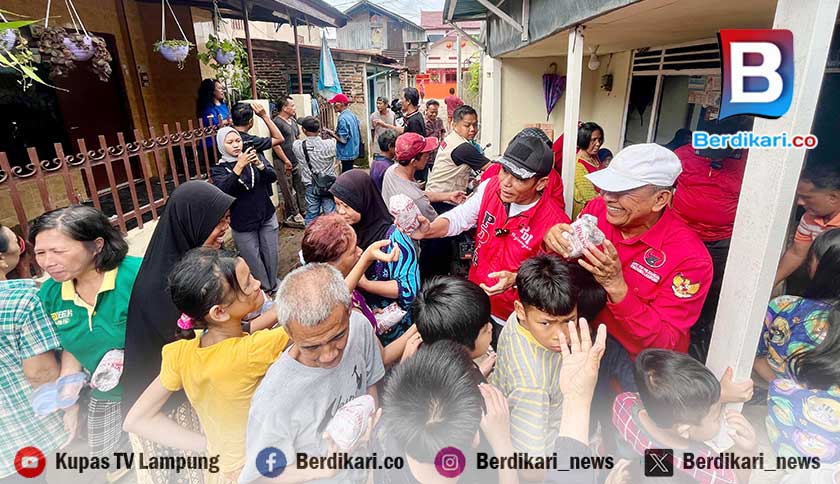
321 157
810 227
25 332
527 373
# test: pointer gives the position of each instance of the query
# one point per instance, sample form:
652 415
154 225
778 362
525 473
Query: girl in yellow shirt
219 369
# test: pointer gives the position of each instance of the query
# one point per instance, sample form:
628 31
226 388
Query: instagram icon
450 462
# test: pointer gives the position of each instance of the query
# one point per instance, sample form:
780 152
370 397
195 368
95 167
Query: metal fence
129 181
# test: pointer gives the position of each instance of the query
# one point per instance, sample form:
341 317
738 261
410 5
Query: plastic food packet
405 213
268 303
59 394
69 387
350 422
108 372
388 318
585 234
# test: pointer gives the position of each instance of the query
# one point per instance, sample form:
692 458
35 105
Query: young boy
455 309
529 358
679 406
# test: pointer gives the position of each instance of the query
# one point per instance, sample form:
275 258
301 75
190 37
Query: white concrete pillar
491 105
574 69
768 193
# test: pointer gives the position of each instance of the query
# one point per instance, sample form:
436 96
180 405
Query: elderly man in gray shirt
318 157
334 357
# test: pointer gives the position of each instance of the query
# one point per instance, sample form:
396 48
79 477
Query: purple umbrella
553 86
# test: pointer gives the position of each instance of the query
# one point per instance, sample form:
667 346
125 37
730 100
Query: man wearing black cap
511 217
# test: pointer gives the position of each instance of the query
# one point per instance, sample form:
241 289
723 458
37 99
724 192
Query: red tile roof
434 20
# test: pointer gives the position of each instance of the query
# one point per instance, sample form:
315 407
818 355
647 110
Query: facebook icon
271 462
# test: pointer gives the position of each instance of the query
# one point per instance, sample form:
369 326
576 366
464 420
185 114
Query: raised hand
734 392
374 252
581 360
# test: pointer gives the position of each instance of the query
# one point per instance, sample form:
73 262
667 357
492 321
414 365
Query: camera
29 462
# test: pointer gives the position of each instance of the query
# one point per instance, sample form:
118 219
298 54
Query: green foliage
171 43
19 58
475 77
234 76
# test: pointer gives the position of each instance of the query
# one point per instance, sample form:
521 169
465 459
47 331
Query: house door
91 108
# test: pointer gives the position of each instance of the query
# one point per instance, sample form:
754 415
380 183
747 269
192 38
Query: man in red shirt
706 199
452 102
511 215
655 269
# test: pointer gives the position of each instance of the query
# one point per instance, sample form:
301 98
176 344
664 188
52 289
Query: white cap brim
611 181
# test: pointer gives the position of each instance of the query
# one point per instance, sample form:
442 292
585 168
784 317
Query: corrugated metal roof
314 12
465 10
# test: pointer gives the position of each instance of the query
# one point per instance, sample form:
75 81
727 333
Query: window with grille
308 83
703 55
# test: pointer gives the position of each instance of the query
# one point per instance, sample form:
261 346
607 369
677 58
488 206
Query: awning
313 12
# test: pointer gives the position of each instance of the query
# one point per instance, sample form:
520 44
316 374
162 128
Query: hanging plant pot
174 50
224 58
81 47
8 39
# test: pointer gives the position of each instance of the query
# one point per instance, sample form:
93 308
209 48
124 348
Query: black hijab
356 189
192 212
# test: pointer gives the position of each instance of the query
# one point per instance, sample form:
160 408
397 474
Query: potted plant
8 39
174 50
222 51
61 51
80 46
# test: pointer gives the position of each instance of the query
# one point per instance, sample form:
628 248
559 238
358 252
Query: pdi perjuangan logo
757 72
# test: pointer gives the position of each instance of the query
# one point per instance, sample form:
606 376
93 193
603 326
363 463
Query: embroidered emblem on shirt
683 287
644 271
60 318
654 258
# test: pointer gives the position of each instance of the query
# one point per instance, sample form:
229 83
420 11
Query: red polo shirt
706 199
668 272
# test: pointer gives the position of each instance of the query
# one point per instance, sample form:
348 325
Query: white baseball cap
637 166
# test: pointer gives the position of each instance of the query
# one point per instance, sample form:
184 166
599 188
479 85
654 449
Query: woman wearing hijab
358 201
197 214
242 174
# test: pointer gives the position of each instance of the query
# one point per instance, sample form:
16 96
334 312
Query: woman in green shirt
86 299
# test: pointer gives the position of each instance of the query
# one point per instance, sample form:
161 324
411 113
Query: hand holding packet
57 395
585 233
405 213
388 318
350 422
108 372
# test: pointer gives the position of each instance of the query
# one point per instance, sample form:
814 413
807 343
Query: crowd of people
543 348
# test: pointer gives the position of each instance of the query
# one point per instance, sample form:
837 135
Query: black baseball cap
527 157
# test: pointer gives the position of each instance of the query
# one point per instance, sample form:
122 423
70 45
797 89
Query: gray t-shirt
388 118
393 184
294 403
290 131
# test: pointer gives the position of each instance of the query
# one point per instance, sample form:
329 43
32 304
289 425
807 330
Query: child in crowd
679 406
456 309
382 161
438 399
219 370
529 352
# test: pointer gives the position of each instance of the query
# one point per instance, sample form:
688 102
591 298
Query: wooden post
768 193
297 56
253 73
574 67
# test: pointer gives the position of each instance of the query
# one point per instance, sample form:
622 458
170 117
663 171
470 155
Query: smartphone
247 146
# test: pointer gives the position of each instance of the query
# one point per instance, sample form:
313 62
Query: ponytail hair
204 278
